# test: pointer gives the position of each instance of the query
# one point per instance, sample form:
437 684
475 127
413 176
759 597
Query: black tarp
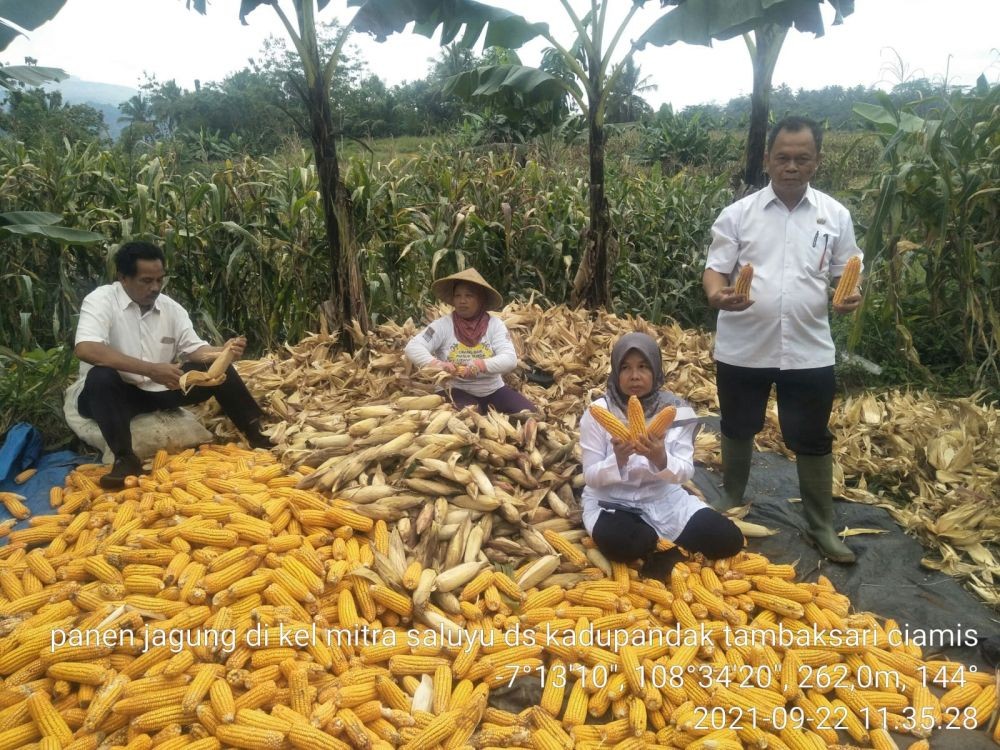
887 579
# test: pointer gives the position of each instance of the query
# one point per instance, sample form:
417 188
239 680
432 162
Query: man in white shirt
128 340
798 241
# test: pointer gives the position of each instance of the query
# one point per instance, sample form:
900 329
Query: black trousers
805 399
622 536
112 403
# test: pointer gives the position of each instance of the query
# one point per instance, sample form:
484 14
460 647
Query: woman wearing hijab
470 344
632 495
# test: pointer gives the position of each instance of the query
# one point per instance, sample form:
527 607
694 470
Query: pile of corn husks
359 420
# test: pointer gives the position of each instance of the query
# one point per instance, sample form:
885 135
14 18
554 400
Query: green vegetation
502 182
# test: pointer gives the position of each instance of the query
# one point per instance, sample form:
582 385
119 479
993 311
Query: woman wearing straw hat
471 345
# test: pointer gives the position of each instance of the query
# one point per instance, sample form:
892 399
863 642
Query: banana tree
17 17
347 298
592 62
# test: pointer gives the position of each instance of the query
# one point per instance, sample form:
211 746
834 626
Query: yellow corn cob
14 504
442 688
87 674
570 552
554 690
159 718
199 687
743 281
611 423
223 703
984 704
250 738
47 718
145 701
415 665
961 696
780 587
636 419
848 283
661 422
308 737
778 604
19 737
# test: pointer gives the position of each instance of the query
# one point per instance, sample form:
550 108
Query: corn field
245 254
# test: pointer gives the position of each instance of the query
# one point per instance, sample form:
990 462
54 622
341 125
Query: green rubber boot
816 487
736 455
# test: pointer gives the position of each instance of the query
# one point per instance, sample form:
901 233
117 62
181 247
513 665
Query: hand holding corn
443 365
165 373
623 449
216 373
637 427
847 296
237 346
653 450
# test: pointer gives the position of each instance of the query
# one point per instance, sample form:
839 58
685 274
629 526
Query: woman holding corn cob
774 324
632 495
471 345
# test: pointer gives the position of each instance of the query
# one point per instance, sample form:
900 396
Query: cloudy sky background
116 41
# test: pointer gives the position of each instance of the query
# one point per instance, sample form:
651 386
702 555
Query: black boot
736 457
255 438
127 465
816 487
659 564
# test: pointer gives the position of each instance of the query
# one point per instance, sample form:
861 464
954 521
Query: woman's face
636 376
468 300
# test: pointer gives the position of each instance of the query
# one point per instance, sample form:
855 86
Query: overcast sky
114 41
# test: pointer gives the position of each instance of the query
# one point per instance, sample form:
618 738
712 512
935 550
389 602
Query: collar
768 195
123 300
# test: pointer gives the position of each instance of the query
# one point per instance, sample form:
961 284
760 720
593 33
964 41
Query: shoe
816 487
659 564
125 466
736 457
259 440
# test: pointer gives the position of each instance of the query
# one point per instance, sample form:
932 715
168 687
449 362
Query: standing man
798 241
128 341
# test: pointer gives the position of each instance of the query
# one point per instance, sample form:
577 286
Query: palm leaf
380 18
18 16
701 21
531 85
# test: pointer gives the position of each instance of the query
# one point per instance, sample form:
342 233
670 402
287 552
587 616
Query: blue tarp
22 449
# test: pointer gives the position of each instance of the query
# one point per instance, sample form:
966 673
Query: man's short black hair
794 125
128 255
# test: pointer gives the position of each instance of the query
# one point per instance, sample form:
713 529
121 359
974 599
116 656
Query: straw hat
444 289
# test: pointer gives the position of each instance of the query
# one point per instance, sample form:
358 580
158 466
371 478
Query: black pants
112 403
622 536
805 399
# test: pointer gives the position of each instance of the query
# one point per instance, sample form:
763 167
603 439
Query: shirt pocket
819 251
166 349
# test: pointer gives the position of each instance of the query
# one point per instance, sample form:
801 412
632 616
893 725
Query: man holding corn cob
128 338
774 326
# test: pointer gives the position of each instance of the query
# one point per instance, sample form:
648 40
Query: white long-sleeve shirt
656 495
438 341
109 316
794 253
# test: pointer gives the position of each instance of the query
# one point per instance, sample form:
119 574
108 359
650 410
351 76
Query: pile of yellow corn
941 455
216 605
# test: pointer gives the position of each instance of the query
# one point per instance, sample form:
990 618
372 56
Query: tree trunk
769 39
347 292
592 284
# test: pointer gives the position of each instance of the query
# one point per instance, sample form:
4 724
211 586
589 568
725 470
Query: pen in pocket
826 241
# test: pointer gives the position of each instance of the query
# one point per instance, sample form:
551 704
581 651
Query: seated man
128 340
